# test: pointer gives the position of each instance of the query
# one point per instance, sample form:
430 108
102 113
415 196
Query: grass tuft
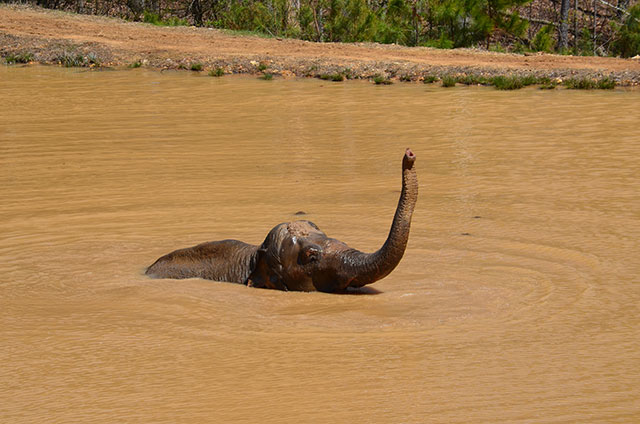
381 80
606 83
580 84
449 81
528 80
24 57
428 79
507 83
217 72
197 67
136 64
70 60
267 77
473 80
337 77
154 19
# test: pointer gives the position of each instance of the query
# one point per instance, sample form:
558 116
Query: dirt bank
47 34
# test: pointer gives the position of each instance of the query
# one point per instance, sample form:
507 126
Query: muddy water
516 301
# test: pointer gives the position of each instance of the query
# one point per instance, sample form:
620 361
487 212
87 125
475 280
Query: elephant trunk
368 268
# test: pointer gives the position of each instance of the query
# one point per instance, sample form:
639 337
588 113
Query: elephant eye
309 254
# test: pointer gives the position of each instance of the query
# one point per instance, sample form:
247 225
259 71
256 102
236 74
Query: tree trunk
575 26
195 8
563 28
595 28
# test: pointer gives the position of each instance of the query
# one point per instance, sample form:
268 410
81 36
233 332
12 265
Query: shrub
627 42
349 20
154 19
267 77
151 18
543 40
440 43
196 67
428 79
585 43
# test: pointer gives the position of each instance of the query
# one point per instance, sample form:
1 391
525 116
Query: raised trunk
368 268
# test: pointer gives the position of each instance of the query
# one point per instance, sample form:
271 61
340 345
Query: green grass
71 60
337 77
515 82
528 80
154 19
267 77
507 83
428 79
498 48
606 83
136 64
217 72
23 57
244 33
580 84
197 67
262 66
473 80
449 81
381 80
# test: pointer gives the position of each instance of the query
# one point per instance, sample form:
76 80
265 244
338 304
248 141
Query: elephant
298 256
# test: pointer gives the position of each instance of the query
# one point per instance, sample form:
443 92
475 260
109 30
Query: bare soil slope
47 34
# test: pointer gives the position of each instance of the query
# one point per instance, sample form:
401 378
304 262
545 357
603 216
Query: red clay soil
47 34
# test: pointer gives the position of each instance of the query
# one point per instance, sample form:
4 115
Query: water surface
516 301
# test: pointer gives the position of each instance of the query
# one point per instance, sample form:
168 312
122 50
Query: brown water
517 299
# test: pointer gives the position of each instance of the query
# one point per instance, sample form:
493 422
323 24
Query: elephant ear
264 275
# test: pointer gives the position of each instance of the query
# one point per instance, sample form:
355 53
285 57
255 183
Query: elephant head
297 255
